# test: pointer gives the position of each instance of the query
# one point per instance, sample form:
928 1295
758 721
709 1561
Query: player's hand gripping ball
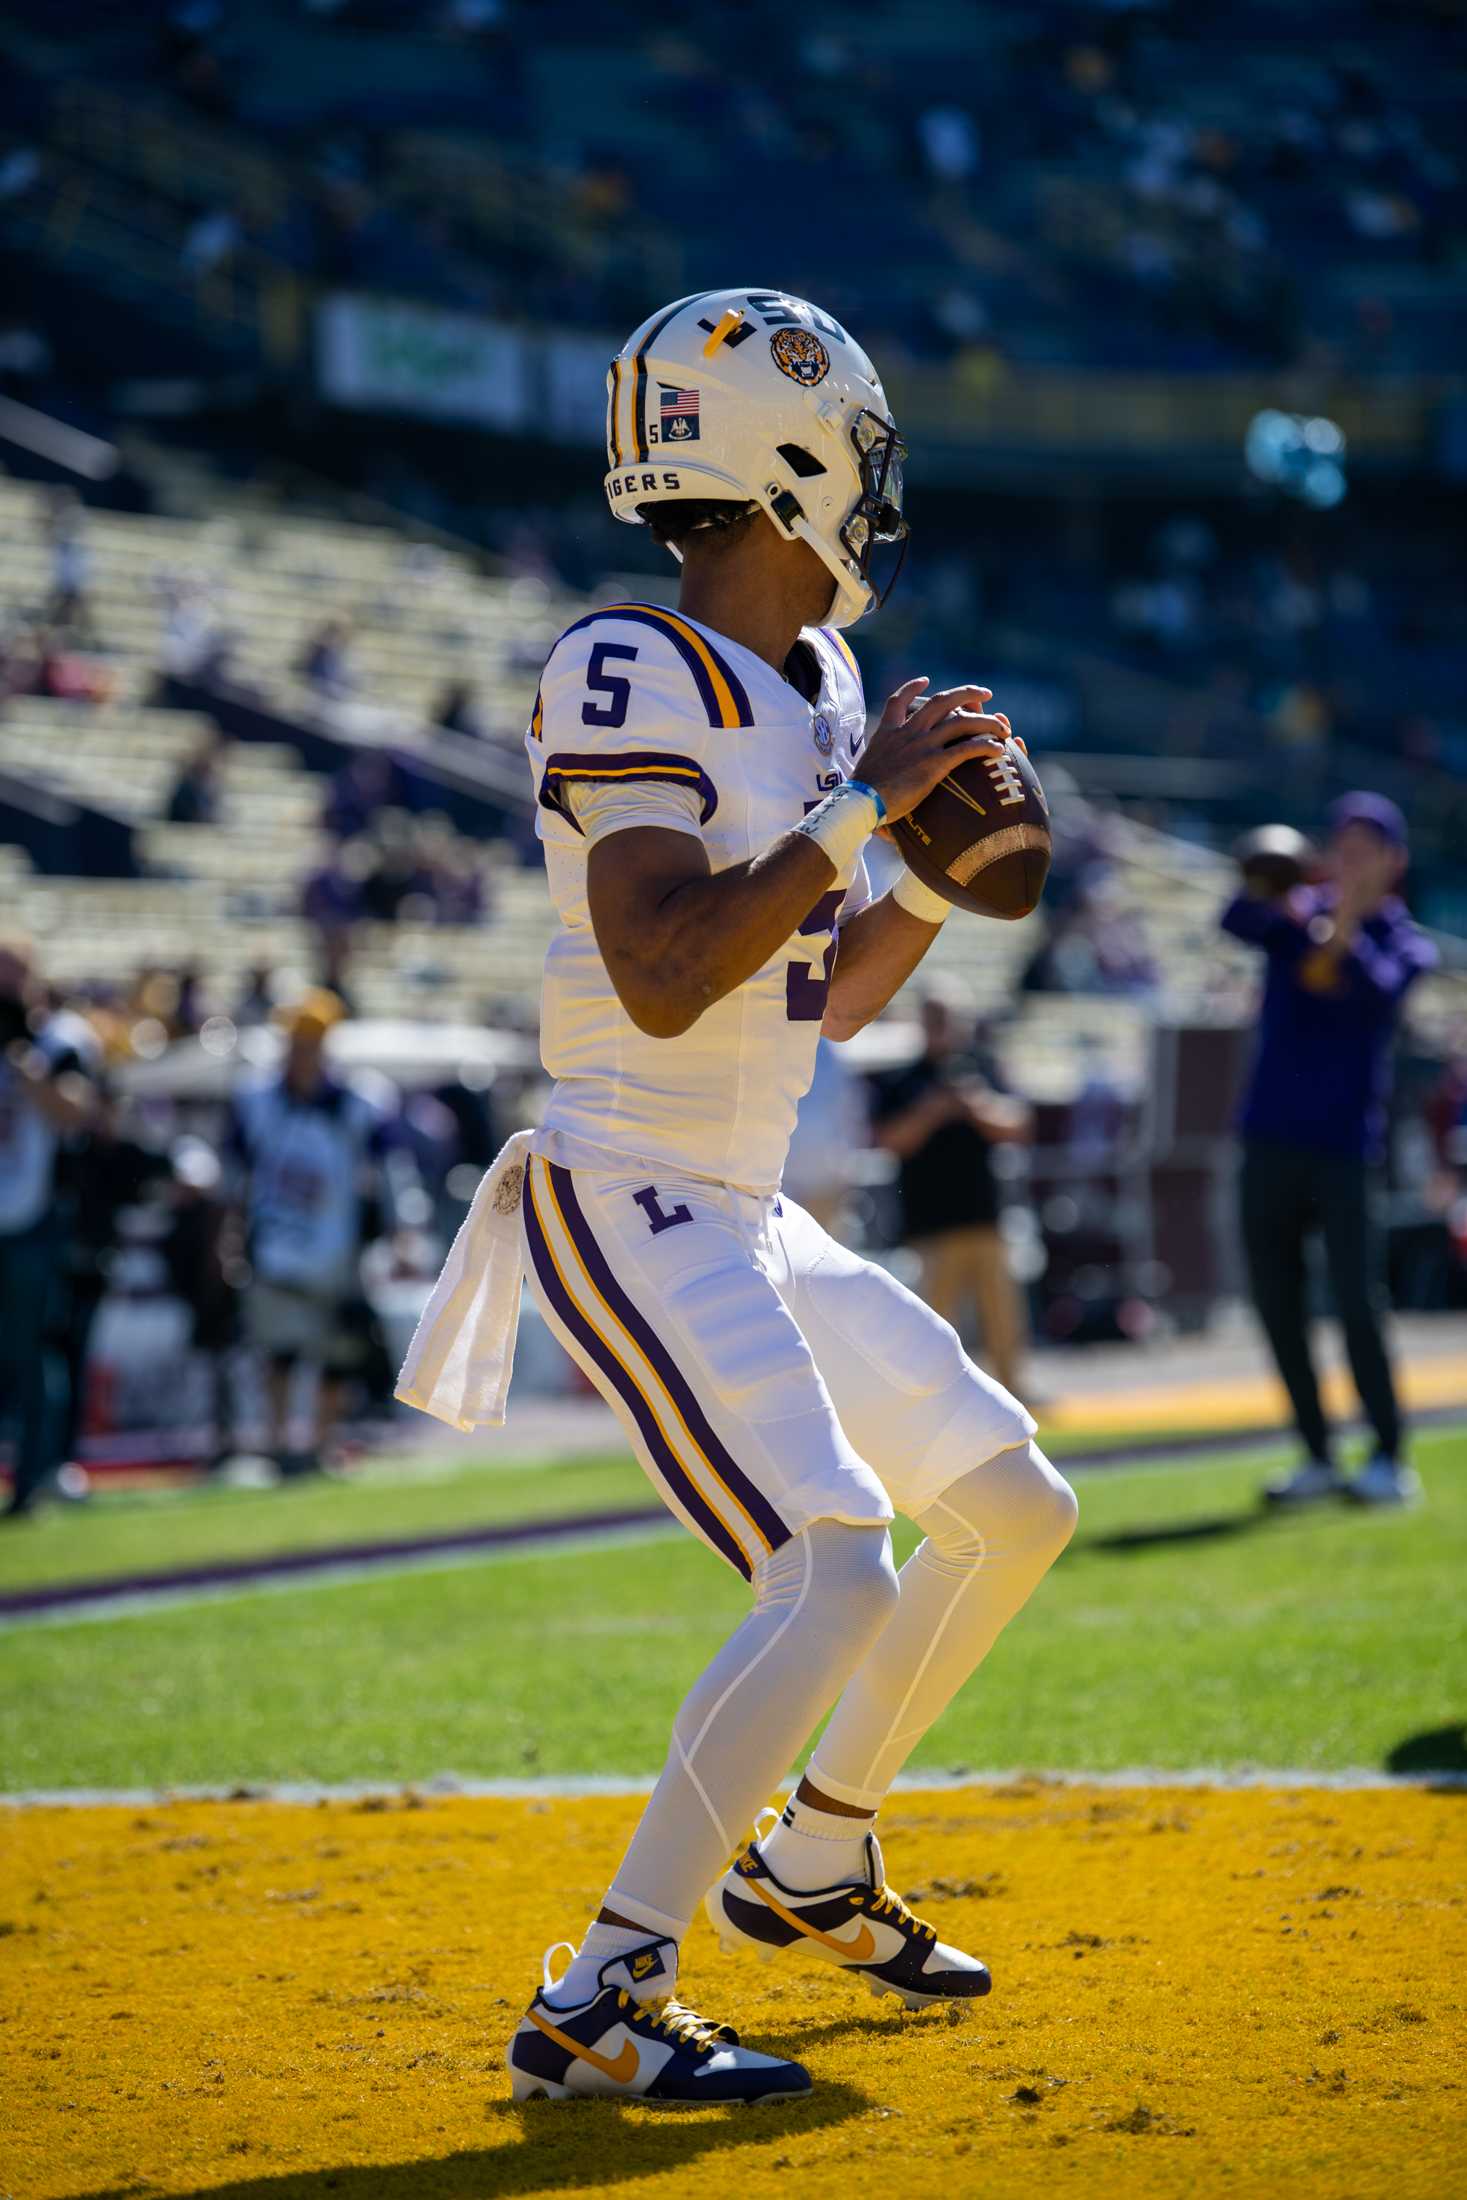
981 839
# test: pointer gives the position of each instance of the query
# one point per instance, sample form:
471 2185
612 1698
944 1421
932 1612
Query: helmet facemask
876 516
874 453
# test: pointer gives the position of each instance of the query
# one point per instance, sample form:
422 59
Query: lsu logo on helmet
801 355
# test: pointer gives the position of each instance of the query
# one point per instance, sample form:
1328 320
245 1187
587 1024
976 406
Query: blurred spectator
1097 1114
397 886
942 1117
107 1171
38 662
189 1011
197 644
256 1004
69 606
325 662
452 872
457 711
206 1268
1341 959
161 1005
333 964
195 796
47 1097
1446 1112
359 792
831 1131
305 1145
73 679
332 895
1096 944
20 662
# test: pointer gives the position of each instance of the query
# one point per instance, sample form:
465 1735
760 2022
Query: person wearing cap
305 1145
1342 955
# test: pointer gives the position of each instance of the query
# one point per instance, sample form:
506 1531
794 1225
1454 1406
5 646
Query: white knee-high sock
822 1600
990 1539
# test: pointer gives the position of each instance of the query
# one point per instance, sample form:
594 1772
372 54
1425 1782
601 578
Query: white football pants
832 1619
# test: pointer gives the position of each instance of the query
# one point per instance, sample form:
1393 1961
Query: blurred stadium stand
310 302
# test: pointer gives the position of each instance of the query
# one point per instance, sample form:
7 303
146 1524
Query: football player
706 786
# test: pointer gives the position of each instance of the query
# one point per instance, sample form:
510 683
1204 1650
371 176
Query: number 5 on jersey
805 993
618 692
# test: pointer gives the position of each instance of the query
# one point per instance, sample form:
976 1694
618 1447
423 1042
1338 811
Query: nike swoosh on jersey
859 1950
621 2068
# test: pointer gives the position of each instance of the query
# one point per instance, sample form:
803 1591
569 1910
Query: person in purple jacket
1341 957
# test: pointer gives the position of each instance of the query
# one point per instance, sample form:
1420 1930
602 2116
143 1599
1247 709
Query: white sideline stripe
133 1603
444 1786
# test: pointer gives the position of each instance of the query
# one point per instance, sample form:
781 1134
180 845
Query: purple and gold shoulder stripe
720 690
843 650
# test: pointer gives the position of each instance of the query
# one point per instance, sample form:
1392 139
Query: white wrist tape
842 824
919 901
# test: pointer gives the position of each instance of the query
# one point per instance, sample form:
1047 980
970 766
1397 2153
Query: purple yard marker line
57 1595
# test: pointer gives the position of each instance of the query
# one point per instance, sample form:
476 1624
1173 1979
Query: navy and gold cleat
862 1925
616 2046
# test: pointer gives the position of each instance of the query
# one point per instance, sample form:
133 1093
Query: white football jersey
641 694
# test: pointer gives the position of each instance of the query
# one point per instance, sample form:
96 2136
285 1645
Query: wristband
864 786
841 825
918 900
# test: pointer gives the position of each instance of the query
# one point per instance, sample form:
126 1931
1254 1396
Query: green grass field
1181 1629
191 1526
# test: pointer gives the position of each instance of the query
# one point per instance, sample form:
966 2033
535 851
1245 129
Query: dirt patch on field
1196 1993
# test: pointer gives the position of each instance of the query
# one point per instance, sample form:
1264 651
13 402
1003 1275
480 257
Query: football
1274 858
981 838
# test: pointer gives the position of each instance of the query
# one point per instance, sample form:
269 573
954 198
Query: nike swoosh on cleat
621 2068
859 1950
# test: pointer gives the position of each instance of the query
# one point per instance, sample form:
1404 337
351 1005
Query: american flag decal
677 412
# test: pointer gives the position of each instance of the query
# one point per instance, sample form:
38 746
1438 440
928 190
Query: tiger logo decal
800 355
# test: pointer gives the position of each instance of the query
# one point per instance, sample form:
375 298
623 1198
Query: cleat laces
889 1904
682 2025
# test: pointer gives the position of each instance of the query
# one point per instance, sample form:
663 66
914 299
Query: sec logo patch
800 355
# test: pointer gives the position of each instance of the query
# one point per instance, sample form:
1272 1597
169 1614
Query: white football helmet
751 397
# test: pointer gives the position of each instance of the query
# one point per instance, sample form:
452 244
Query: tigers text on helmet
752 397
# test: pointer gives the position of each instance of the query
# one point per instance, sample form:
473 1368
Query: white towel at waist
458 1364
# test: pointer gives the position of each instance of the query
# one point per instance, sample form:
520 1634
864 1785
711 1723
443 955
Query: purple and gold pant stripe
705 1482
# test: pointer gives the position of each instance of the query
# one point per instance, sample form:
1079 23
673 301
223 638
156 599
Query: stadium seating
423 619
225 898
1238 182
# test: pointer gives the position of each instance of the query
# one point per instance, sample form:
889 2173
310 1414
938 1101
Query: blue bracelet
862 787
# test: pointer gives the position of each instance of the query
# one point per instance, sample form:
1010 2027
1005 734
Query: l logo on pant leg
657 1221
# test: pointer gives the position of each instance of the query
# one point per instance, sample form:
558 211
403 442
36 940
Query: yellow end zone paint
1197 1992
1245 1401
